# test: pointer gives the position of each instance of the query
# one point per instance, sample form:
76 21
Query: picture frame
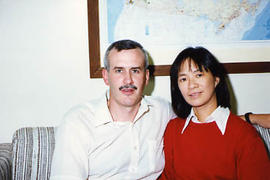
156 70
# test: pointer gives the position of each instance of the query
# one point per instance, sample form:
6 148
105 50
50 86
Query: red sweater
202 152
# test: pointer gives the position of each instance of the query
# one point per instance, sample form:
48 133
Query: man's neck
123 114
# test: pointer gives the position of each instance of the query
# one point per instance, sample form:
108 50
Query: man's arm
70 158
260 119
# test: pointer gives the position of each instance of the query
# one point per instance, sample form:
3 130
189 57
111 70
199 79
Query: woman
207 141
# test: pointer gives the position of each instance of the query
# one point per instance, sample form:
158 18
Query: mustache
128 86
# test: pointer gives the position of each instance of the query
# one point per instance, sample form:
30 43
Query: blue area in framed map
164 27
261 28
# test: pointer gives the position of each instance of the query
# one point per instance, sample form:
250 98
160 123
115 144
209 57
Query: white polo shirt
89 144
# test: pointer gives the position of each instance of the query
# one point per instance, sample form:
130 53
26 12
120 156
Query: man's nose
128 78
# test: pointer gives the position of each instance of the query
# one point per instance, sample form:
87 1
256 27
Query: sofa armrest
5 161
32 150
265 134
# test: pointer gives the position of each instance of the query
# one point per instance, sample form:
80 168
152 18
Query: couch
29 155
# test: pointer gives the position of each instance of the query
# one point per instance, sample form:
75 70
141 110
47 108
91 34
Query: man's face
126 77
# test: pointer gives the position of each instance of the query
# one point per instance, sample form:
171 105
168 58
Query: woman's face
197 87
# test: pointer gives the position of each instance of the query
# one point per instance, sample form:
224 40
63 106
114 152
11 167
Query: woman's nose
193 83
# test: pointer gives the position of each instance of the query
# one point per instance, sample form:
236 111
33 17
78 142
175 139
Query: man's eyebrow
139 67
118 67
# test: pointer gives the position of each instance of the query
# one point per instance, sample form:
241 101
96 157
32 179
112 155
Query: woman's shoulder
235 123
174 126
177 122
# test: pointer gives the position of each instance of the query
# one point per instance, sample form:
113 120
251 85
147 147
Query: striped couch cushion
265 134
32 153
33 149
5 161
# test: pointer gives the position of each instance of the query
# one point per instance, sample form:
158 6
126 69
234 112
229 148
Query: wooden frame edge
157 70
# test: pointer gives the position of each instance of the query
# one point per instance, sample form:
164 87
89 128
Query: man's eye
118 71
199 75
135 71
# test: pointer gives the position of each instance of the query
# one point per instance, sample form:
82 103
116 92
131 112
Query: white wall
44 66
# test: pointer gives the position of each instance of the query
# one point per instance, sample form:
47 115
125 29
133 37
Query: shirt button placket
135 150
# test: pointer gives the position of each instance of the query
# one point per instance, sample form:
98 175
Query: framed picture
153 25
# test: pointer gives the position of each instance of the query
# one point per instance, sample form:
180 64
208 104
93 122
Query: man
119 135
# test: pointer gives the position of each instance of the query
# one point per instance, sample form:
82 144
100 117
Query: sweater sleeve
252 158
168 173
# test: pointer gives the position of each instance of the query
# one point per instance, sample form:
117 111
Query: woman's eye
199 75
182 79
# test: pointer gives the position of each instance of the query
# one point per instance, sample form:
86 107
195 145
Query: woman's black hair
204 60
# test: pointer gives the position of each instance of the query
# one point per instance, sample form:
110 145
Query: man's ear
105 76
217 79
147 76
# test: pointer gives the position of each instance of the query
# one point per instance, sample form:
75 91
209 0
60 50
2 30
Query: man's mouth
128 87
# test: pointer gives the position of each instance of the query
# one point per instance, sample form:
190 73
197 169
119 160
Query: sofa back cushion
32 153
265 134
5 161
33 149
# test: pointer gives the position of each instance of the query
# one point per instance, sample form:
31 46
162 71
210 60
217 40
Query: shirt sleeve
252 159
70 159
171 112
168 173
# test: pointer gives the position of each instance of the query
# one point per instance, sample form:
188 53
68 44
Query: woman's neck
203 112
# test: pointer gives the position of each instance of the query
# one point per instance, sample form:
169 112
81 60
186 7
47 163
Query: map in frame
171 25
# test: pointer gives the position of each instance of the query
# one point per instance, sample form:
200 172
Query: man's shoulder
160 106
88 106
157 100
84 111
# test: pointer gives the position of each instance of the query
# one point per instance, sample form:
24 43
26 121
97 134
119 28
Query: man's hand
260 119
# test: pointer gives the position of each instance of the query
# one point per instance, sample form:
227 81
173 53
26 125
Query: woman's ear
217 79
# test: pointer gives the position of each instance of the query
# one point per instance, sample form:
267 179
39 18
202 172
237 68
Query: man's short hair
124 45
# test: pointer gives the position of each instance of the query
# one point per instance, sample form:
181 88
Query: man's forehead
126 58
127 67
121 52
